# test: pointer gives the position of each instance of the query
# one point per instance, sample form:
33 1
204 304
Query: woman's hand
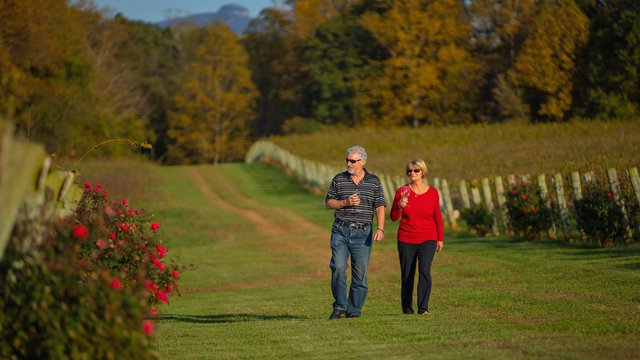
439 246
402 202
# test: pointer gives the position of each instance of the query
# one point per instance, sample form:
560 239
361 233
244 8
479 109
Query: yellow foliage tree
310 14
546 63
430 74
215 104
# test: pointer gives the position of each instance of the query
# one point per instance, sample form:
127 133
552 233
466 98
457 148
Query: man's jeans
356 242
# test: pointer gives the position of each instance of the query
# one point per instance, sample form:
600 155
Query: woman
420 234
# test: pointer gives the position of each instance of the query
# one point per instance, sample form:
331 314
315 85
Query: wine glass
405 191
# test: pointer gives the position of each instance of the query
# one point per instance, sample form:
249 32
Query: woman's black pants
409 255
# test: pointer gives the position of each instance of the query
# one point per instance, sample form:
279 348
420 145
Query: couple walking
356 195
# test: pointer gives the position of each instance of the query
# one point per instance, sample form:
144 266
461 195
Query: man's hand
379 235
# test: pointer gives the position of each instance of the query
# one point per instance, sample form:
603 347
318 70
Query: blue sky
157 10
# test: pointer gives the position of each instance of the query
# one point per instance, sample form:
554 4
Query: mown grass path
258 286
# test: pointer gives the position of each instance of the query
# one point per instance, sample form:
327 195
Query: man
355 194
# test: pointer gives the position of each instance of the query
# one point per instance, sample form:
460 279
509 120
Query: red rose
80 232
101 244
115 283
175 274
150 286
157 263
161 251
155 226
125 202
148 327
87 185
163 297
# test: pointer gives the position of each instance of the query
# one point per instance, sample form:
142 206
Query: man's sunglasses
409 171
352 161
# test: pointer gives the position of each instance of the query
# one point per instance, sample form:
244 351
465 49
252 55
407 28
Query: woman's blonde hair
418 163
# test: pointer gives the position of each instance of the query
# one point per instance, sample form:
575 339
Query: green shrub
529 216
67 290
478 219
54 305
600 217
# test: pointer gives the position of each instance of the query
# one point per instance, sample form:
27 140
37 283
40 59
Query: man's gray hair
362 152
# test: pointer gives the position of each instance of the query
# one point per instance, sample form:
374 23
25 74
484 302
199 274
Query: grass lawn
257 283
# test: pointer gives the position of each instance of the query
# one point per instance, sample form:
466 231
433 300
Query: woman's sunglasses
409 171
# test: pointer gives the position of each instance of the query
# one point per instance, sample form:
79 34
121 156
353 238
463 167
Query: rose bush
529 216
600 217
126 242
85 286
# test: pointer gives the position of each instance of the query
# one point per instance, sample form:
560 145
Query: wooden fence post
443 209
617 193
544 193
635 182
575 183
475 193
488 200
446 194
464 194
502 208
562 205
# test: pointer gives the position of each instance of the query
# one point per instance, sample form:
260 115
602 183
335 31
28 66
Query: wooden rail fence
26 176
491 192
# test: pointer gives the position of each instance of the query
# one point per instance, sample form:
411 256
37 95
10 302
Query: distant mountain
235 16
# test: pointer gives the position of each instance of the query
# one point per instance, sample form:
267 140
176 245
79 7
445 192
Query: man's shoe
408 311
337 314
354 315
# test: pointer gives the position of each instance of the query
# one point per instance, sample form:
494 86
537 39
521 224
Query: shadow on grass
626 256
225 318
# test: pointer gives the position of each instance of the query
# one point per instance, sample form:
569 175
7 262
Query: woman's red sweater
421 219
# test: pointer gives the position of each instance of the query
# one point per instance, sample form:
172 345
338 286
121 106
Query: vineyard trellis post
488 200
446 194
617 193
502 208
562 206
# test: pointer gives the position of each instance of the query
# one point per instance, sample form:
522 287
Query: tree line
70 76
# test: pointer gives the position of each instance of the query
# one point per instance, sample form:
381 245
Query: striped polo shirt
369 190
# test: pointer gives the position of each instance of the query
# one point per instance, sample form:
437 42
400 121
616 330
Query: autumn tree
340 54
137 74
46 74
499 29
278 69
430 76
610 64
216 103
546 64
309 15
